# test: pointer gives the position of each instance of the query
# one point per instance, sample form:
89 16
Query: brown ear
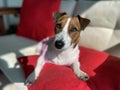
83 22
57 15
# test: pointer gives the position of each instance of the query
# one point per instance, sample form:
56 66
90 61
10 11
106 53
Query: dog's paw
31 78
83 76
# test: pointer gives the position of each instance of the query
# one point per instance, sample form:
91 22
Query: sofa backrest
68 6
105 18
102 13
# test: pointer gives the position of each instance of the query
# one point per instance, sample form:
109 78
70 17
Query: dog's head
67 30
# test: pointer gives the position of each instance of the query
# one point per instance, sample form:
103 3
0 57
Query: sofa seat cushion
103 69
11 47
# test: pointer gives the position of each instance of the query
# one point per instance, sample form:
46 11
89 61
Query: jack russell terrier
63 48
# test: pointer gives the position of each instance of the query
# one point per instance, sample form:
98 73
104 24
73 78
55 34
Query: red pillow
36 18
103 69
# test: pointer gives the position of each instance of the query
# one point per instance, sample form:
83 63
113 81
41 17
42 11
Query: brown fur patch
74 23
62 20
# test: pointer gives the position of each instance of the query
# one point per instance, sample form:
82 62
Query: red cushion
36 18
103 69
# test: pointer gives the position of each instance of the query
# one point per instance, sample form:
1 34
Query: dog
63 48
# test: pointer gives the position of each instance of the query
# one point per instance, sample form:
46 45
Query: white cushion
101 13
115 39
118 20
96 37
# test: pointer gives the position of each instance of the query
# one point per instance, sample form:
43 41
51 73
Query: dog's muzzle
59 44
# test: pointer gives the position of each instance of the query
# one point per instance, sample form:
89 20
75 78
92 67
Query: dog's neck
63 57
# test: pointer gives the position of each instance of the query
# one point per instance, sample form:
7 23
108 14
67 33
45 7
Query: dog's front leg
39 65
79 73
34 75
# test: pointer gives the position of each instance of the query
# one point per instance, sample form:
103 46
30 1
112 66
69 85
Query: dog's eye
58 26
73 30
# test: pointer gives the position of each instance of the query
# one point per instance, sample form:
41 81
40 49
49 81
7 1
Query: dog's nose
59 44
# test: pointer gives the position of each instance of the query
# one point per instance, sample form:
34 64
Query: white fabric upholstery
117 3
115 39
101 13
104 19
11 47
91 37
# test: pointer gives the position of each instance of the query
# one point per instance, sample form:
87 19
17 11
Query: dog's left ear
57 15
83 22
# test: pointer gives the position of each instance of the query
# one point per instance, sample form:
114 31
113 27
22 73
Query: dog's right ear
57 15
83 22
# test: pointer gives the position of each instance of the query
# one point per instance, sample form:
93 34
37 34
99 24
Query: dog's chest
66 57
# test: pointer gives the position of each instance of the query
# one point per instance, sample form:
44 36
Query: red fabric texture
36 18
103 69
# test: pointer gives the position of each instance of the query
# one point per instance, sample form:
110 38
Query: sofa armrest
6 11
9 10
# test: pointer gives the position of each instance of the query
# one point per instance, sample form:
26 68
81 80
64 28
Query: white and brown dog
63 48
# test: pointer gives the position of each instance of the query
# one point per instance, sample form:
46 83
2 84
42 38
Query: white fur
59 57
66 56
64 35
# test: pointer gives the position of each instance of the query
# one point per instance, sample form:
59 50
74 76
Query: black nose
59 44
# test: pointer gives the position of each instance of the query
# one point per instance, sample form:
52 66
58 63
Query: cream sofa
102 33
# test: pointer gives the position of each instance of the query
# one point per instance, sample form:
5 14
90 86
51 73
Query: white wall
10 19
